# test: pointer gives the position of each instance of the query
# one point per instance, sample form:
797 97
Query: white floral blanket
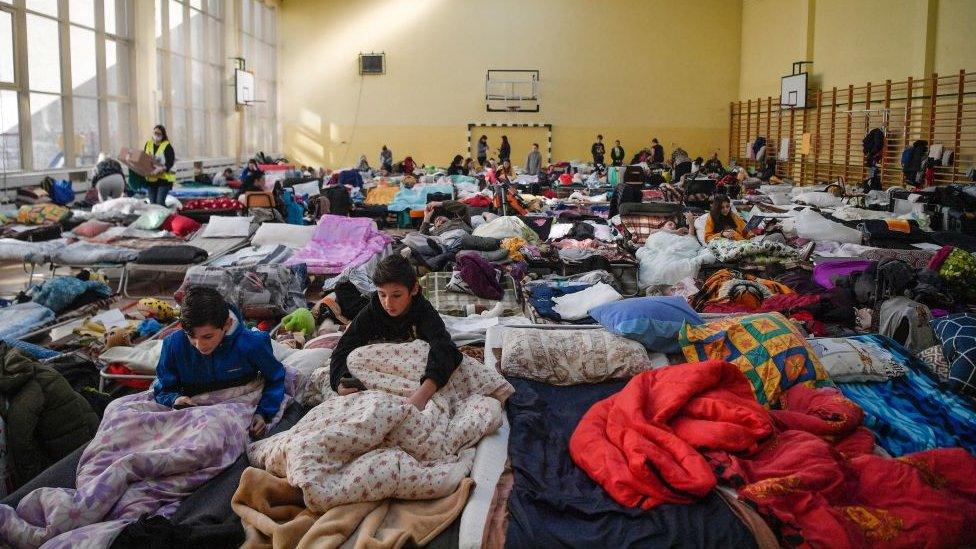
374 445
728 251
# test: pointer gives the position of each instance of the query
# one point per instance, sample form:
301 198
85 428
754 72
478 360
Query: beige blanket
373 445
274 515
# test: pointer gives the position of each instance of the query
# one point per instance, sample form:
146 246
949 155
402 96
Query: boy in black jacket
397 313
598 151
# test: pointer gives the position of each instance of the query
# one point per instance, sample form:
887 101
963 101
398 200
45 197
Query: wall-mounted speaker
372 63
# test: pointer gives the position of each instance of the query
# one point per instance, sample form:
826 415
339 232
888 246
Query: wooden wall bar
940 109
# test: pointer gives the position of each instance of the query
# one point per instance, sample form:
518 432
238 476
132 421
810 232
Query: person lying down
218 386
397 312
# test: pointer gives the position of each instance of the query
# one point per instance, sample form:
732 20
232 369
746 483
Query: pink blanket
340 242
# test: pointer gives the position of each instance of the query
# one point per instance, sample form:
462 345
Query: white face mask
157 137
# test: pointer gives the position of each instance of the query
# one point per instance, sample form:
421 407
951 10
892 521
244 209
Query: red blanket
808 468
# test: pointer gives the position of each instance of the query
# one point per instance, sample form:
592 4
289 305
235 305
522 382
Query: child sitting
214 351
397 312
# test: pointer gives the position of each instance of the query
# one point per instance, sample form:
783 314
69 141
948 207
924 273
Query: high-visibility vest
160 155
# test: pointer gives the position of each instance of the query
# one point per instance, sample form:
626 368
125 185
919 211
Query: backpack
62 193
906 157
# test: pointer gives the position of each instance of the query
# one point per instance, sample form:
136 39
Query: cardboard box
137 160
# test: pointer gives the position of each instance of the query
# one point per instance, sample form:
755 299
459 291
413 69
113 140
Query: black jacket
617 154
598 149
374 325
658 154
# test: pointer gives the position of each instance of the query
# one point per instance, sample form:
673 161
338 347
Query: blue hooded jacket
239 358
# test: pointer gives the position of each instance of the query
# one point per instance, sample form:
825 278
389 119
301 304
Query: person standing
386 159
505 151
483 150
534 161
617 154
657 152
161 179
598 151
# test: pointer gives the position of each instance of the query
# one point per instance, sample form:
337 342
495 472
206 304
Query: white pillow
700 227
819 199
227 227
577 305
293 236
848 360
307 361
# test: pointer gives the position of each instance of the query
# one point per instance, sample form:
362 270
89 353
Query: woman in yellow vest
160 180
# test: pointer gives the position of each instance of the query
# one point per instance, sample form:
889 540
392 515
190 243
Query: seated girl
213 351
397 313
723 222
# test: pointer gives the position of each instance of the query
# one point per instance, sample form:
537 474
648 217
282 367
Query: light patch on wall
363 31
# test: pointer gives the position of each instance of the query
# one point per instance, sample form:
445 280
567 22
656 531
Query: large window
258 25
65 107
190 61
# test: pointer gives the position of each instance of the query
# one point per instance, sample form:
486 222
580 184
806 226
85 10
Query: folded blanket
172 255
145 458
274 514
60 292
21 318
340 242
84 253
373 445
728 251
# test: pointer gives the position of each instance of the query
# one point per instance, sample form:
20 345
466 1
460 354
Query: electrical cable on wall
355 122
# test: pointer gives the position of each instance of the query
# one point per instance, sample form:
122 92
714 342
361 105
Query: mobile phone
351 382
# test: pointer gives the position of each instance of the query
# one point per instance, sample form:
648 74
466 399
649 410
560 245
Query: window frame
66 93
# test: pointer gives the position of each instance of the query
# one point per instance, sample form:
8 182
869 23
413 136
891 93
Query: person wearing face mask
160 180
214 351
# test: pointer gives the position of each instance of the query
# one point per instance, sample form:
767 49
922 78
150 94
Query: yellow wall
643 69
955 43
853 41
773 37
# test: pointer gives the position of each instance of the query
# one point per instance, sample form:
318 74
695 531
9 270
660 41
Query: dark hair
203 306
457 160
505 138
228 171
483 138
699 160
395 269
598 136
721 222
468 160
654 140
535 144
162 129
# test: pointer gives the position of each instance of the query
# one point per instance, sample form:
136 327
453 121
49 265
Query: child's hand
422 395
258 426
182 402
345 391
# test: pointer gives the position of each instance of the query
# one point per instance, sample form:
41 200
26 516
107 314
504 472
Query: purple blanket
145 458
340 242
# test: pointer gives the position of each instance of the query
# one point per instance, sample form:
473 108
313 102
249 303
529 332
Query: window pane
110 17
9 132
160 56
246 15
43 58
215 144
159 23
215 7
214 86
86 131
215 35
82 12
199 120
117 67
257 19
197 83
118 128
197 30
46 131
177 132
6 48
83 76
177 80
198 4
49 7
177 28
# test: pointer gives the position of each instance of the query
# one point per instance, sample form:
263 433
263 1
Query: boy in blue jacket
214 351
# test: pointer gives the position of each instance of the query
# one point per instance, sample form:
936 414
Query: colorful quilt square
767 347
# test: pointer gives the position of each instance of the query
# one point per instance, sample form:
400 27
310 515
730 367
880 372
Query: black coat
374 325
